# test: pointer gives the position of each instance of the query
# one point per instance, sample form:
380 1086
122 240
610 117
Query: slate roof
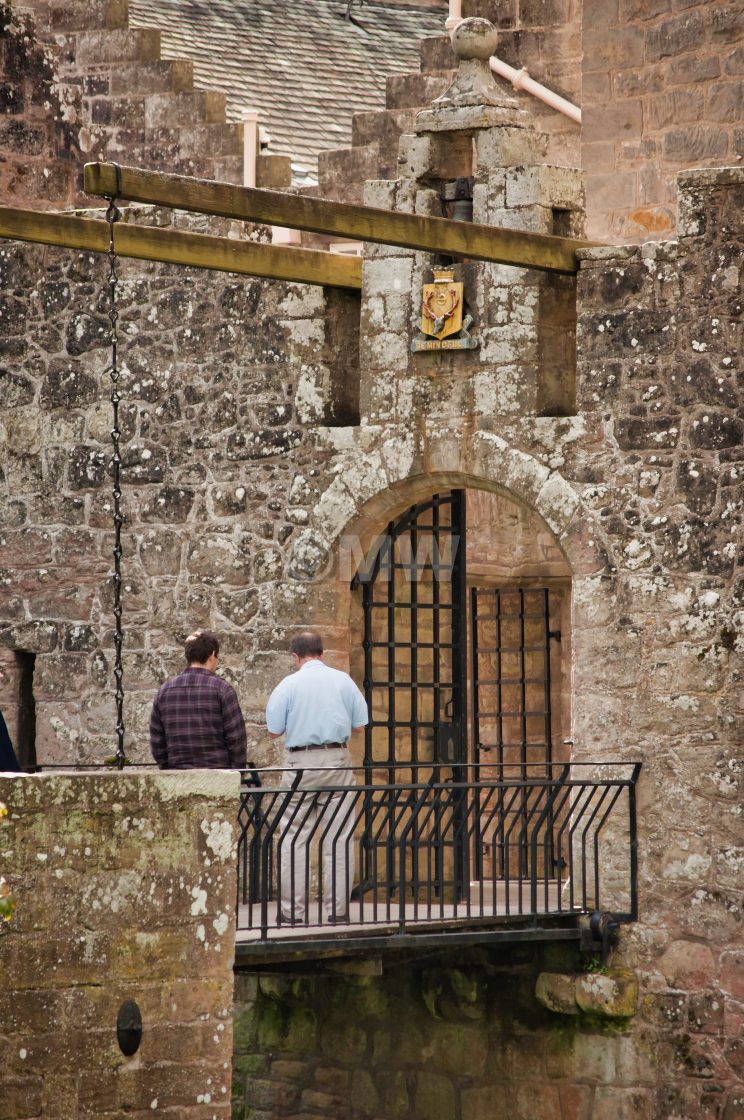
300 63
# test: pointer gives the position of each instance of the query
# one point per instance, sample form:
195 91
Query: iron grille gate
416 628
511 712
415 683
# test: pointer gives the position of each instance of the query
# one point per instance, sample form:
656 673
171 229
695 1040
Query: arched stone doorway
460 632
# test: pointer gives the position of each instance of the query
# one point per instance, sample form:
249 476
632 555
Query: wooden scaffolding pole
363 223
172 246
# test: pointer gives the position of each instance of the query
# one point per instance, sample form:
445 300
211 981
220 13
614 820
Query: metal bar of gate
458 580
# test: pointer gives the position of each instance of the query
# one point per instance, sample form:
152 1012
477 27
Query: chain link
113 215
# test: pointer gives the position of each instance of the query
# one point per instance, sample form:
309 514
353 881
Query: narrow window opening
561 223
26 724
343 310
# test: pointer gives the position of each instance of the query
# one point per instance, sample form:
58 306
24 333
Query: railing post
633 828
266 853
533 839
402 853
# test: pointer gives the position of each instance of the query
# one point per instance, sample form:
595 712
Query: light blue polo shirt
316 704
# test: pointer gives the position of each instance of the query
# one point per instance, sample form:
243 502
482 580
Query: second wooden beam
195 250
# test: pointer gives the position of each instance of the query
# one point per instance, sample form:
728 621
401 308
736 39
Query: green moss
393 1088
343 1040
284 1027
559 958
364 1094
250 1065
245 1027
365 998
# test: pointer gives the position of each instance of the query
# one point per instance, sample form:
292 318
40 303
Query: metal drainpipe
454 17
520 79
250 146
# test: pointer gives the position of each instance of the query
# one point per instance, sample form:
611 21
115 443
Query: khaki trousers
323 811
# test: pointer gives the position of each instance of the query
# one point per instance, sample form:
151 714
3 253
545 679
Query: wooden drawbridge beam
172 246
363 223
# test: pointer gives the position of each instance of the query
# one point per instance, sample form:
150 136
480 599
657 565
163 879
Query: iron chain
113 215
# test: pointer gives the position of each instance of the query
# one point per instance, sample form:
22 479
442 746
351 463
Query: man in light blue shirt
316 708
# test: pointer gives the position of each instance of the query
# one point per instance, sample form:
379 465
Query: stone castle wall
243 479
124 888
210 522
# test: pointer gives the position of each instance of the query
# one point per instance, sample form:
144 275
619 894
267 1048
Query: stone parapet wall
125 890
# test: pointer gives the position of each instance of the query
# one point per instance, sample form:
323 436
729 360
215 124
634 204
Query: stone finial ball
474 38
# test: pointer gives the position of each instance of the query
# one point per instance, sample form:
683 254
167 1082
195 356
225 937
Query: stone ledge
701 177
607 253
607 995
167 785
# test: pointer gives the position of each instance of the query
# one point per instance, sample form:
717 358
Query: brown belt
315 747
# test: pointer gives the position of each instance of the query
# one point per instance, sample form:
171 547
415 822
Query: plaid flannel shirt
196 722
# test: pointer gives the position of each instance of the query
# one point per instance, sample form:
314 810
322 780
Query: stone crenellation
112 97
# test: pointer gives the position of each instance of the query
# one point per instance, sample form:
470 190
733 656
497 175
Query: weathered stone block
434 1097
453 995
343 1041
623 1104
68 387
613 995
688 964
557 992
716 430
393 1091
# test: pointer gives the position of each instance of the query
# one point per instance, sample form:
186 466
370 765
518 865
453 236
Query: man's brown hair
308 643
200 646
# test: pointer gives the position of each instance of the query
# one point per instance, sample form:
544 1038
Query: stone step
86 50
197 141
415 91
167 75
436 53
223 169
383 126
227 170
274 172
213 141
177 110
342 172
53 16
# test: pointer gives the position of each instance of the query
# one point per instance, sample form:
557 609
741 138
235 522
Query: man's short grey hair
308 643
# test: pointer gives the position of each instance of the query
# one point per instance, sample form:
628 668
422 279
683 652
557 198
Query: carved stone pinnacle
474 41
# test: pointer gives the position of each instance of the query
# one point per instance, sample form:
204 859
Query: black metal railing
443 851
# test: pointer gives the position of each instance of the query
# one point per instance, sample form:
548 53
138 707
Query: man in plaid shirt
196 719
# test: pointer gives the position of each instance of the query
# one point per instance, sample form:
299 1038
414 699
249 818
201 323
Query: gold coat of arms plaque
444 325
